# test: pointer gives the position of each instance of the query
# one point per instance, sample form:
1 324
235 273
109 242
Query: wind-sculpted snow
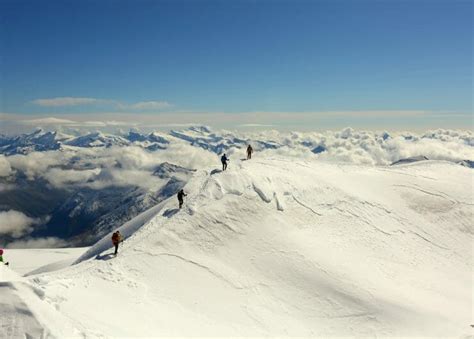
23 314
285 247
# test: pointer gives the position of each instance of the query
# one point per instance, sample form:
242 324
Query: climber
1 258
181 195
116 240
224 160
249 152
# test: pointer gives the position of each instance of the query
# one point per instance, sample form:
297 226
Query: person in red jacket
116 240
1 258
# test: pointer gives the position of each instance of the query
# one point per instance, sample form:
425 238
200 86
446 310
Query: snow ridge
279 247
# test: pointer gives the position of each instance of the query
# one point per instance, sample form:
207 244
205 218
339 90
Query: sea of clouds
100 167
368 147
92 168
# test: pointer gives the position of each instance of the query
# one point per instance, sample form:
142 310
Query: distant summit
37 141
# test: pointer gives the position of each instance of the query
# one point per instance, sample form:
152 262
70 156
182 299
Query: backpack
115 238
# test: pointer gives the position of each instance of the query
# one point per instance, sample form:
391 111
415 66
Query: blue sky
410 61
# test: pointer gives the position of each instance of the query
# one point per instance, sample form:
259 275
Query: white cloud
66 101
119 123
15 223
48 121
59 177
256 125
131 165
48 242
5 168
108 166
76 101
52 121
138 115
36 163
145 105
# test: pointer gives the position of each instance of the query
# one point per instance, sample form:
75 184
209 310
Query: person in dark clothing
249 152
181 195
116 240
224 160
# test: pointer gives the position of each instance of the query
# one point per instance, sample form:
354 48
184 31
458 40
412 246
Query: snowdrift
23 313
284 247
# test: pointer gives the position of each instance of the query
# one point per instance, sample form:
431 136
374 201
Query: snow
23 313
15 318
30 261
281 247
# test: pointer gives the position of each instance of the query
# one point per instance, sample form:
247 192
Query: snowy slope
285 247
39 260
23 313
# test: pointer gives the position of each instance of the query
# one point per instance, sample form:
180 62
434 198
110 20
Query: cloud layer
66 101
133 164
5 168
15 223
47 242
145 105
109 166
77 101
151 115
366 147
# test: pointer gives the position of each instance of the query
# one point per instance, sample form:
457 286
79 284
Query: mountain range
76 187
